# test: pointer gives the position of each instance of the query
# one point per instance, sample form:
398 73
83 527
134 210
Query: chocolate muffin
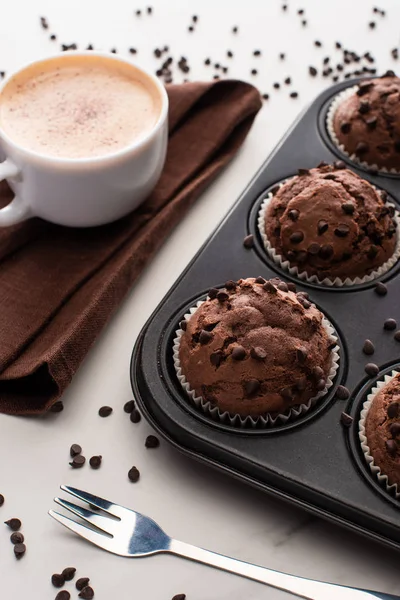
368 122
256 347
331 223
382 430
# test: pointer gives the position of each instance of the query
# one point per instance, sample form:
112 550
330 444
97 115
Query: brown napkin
59 286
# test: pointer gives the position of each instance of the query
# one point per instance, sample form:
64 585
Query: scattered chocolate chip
149 10
53 37
288 81
133 474
135 416
394 429
113 51
371 369
304 22
282 56
95 461
1 499
297 237
90 47
235 29
277 85
342 393
313 71
78 461
17 537
348 208
258 353
342 230
130 405
254 71
179 597
57 580
81 583
338 45
317 43
222 296
57 407
346 420
105 411
152 441
75 450
380 289
63 595
372 24
44 23
368 347
390 324
69 573
391 447
397 336
205 337
19 550
294 94
313 248
13 524
265 96
87 593
393 410
248 241
238 353
251 387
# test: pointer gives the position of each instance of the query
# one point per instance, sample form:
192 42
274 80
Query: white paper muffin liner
375 470
285 265
338 99
266 420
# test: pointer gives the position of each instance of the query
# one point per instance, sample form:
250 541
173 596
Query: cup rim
136 145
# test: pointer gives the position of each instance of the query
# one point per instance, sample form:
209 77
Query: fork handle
299 586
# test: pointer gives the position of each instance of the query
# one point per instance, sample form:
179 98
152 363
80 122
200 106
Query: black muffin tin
313 462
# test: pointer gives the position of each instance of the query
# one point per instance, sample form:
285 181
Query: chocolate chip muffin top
368 122
331 223
256 347
382 429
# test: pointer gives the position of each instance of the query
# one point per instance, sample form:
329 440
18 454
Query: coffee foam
79 106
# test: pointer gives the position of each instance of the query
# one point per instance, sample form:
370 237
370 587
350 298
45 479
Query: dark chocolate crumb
313 71
346 419
17 537
257 53
19 550
317 43
81 583
130 405
58 580
372 24
368 347
248 241
105 411
63 595
78 461
69 573
75 450
133 474
277 85
13 524
293 94
390 324
282 56
179 597
254 71
380 289
288 81
95 461
152 441
53 37
135 416
87 593
57 407
342 393
132 50
235 29
371 369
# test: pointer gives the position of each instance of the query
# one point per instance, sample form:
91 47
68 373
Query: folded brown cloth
59 286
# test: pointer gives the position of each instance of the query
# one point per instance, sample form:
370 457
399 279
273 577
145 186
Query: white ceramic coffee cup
83 192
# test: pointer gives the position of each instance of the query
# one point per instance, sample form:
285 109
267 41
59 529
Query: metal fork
128 533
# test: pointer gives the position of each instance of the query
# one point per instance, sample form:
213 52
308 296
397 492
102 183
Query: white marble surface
188 500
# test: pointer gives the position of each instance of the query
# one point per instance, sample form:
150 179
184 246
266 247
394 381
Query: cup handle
17 210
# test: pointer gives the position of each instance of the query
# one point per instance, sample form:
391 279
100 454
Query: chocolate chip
321 384
372 252
63 595
17 537
361 148
230 285
287 394
235 29
69 573
13 524
305 303
78 461
303 172
346 420
57 580
326 251
331 176
81 583
299 256
130 405
258 353
105 411
390 324
57 407
269 287
87 593
135 416
95 462
318 373
1 499
238 353
133 474
179 597
152 441
260 280
371 122
371 369
322 227
394 430
345 127
348 208
212 293
283 286
388 73
294 94
222 296
288 81
216 358
277 86
44 23
75 450
313 71
301 355
205 337
372 24
291 286
368 347
391 447
397 336
19 550
380 289
293 214
297 237
342 393
393 410
342 230
364 107
301 384
248 241
251 387
313 248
